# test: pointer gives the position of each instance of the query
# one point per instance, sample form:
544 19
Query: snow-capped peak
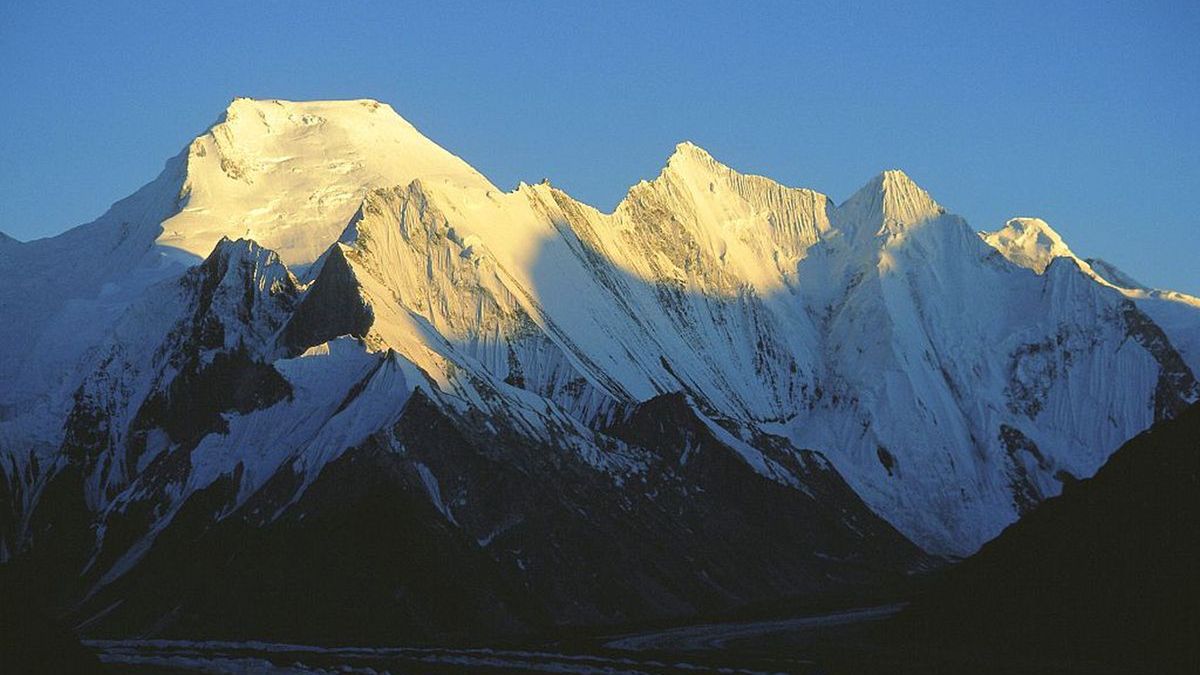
688 152
689 164
289 175
1029 242
889 203
746 222
247 253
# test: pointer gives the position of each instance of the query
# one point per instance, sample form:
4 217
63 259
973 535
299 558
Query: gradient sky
1087 114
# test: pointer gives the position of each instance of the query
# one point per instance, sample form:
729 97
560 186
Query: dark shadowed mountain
34 643
1104 578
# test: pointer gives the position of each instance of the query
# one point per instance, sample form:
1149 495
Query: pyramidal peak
695 165
896 181
691 160
889 203
689 168
689 151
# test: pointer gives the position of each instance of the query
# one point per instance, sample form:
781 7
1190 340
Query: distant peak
1028 242
891 201
1032 230
1032 226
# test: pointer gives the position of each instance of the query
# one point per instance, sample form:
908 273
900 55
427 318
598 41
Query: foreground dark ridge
1100 579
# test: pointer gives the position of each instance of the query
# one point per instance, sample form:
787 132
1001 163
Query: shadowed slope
1103 577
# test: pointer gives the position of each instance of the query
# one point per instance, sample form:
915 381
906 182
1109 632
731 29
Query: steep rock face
713 460
434 529
934 345
185 354
704 217
361 556
332 308
442 302
177 364
1175 313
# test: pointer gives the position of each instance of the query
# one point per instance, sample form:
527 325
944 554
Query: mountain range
321 367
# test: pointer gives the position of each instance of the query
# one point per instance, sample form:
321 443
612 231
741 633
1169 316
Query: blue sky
1087 114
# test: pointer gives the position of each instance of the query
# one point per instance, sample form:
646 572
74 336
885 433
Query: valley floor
770 646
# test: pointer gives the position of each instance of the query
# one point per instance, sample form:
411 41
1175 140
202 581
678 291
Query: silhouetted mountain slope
34 643
1105 577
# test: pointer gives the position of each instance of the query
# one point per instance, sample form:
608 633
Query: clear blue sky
1086 114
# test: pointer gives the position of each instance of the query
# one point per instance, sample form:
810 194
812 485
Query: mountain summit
892 201
1029 242
289 175
317 331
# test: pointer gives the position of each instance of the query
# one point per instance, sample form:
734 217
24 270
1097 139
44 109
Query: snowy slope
861 327
951 379
1028 242
288 175
1032 243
